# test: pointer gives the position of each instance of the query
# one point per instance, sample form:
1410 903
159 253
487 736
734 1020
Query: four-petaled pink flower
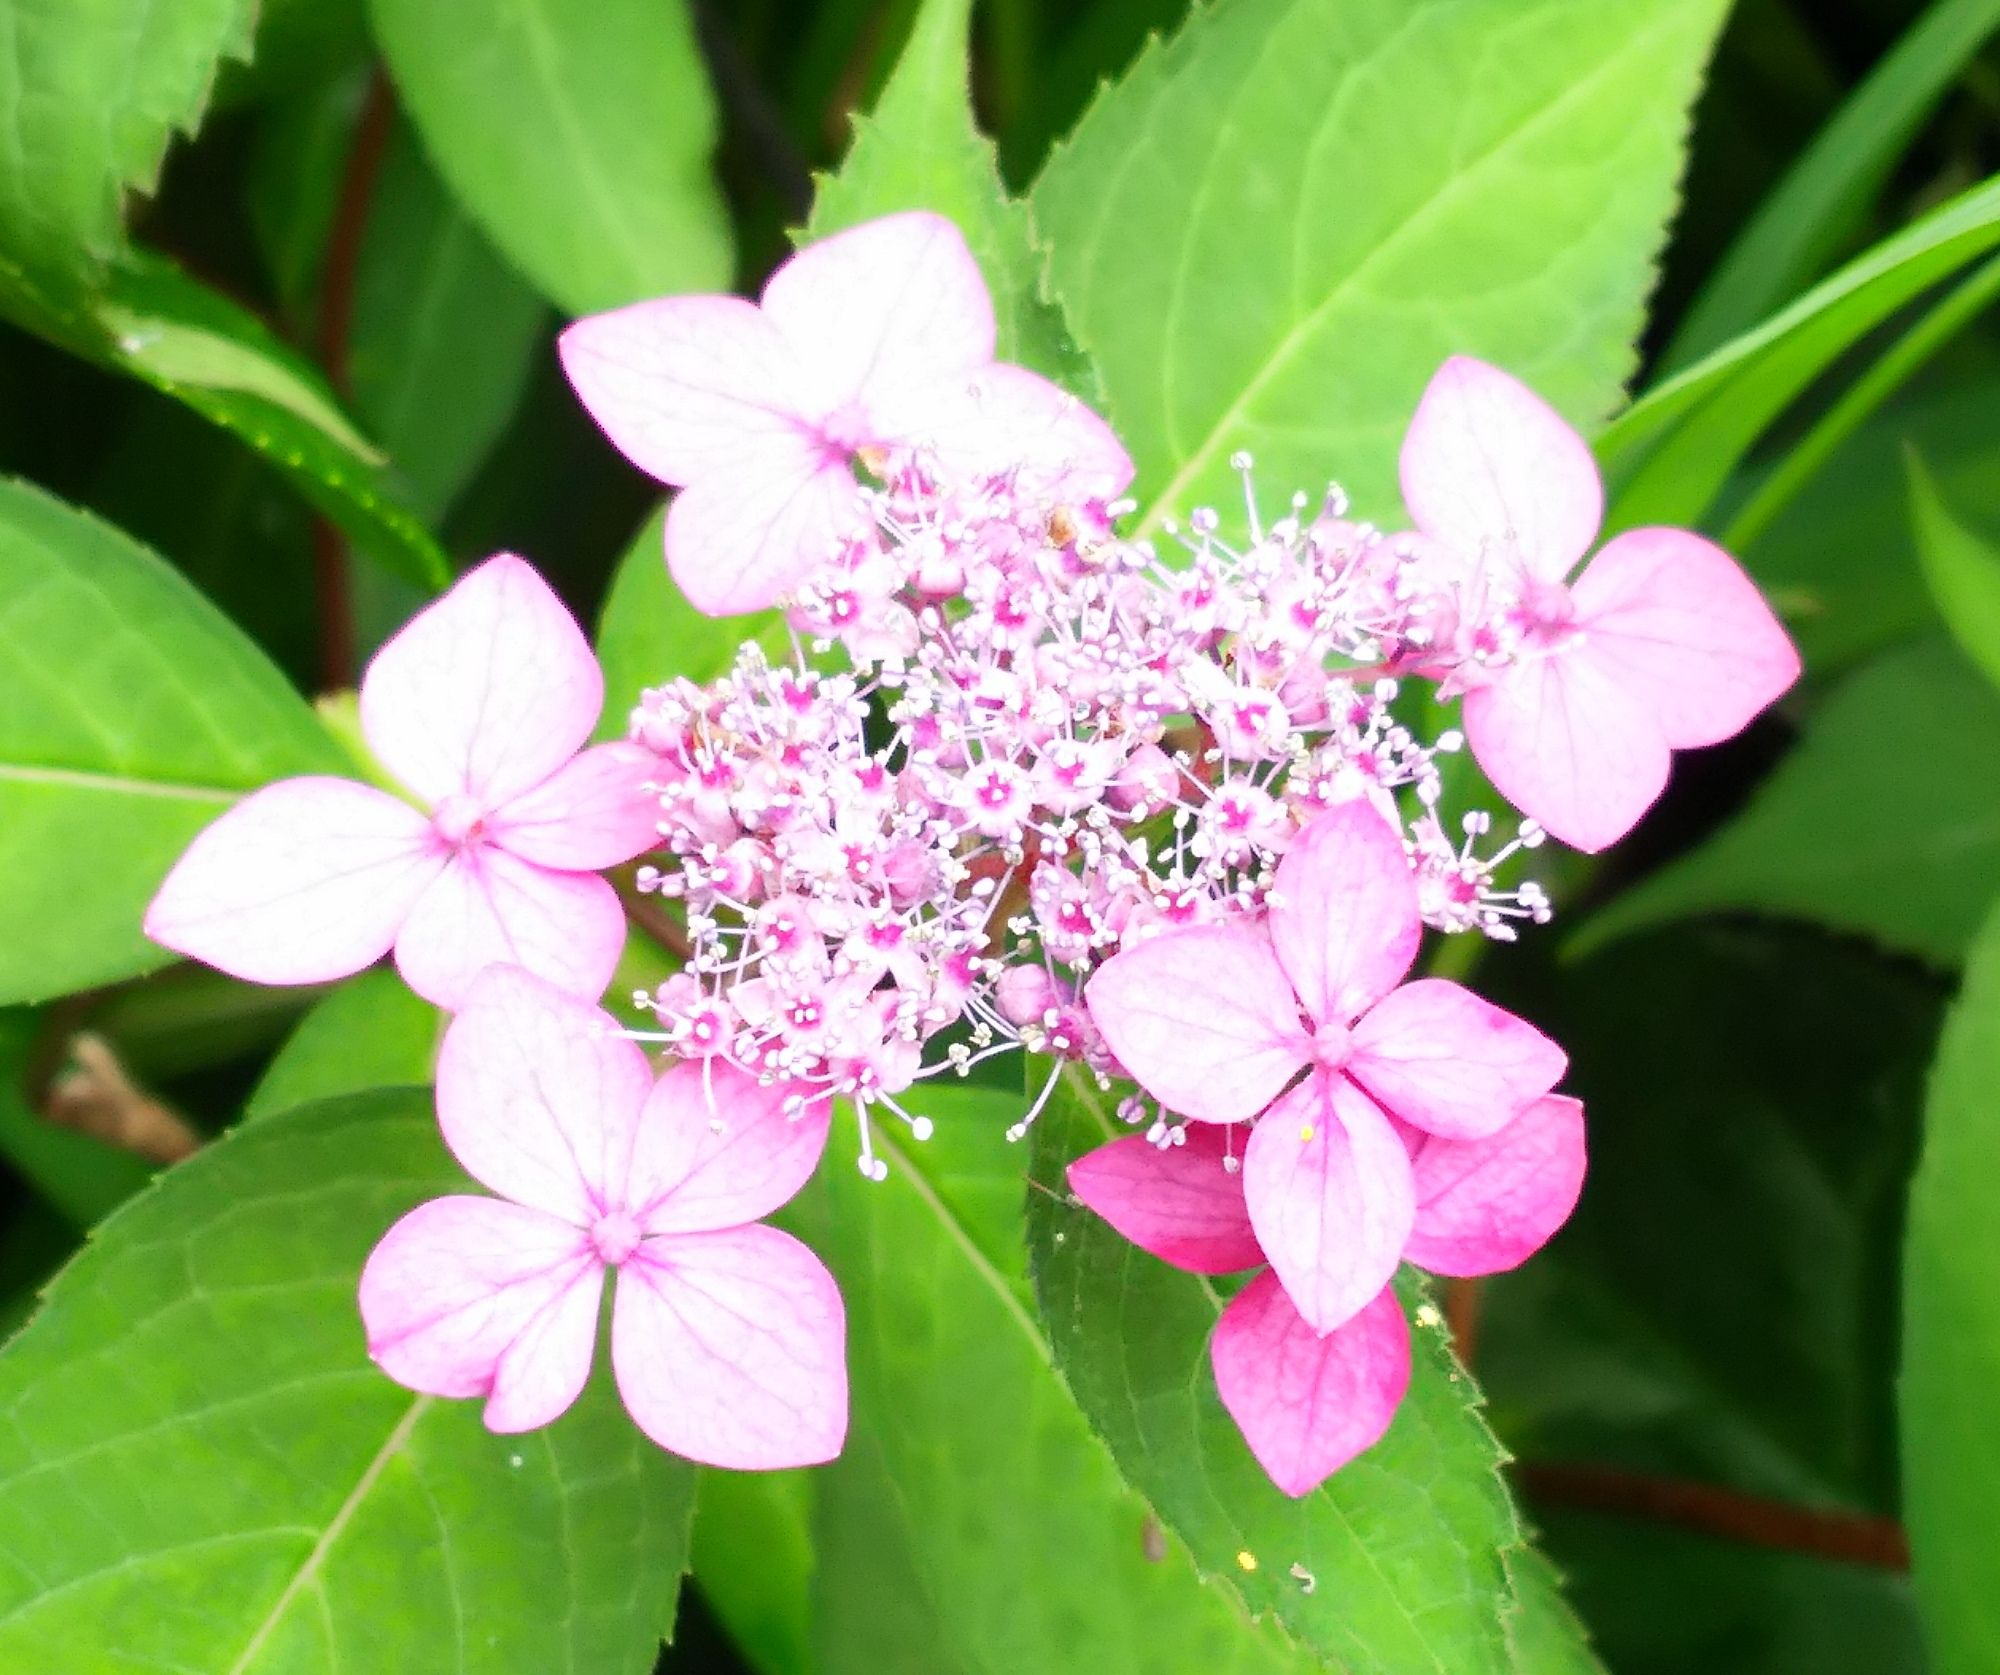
878 338
1216 1022
1308 1401
1661 644
727 1336
479 706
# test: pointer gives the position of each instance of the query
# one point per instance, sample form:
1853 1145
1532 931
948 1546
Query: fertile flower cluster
1028 783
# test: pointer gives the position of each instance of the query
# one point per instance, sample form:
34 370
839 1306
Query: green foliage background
278 291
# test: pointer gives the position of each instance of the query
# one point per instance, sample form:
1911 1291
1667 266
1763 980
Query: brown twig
94 1096
1851 1537
332 591
1461 1315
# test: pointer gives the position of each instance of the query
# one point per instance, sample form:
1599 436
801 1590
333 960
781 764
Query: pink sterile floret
1577 692
479 707
876 339
1308 1401
1216 1021
727 1337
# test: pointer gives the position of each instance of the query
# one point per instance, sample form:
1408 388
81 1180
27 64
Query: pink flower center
458 820
615 1236
1332 1046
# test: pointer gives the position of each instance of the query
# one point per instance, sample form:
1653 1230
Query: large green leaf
578 136
1027 1551
201 1470
153 323
371 1032
1270 232
920 149
1951 1333
444 333
131 714
754 1563
1670 455
95 91
1884 819
1826 197
1963 571
1395 1565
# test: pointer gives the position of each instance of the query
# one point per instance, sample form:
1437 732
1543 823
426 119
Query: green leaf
1669 456
578 136
202 1470
155 324
753 1561
1963 571
371 1032
444 334
1951 1333
95 93
1028 1552
1825 198
920 149
1544 1636
1884 820
648 633
82 1178
131 714
1270 232
1393 1566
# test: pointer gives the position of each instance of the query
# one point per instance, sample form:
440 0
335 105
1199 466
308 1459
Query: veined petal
1203 1018
730 1349
592 812
1676 619
893 303
539 1096
716 1148
302 882
1491 470
1179 1203
1005 419
456 1285
1328 1185
743 537
1344 917
1566 741
1484 1206
485 693
1440 1058
488 907
1308 1402
685 385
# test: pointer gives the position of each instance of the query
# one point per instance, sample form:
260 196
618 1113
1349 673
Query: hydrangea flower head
1218 1021
873 340
727 1336
480 707
1577 691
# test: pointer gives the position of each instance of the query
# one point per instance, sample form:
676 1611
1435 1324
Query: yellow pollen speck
1306 1131
1247 1559
1428 1315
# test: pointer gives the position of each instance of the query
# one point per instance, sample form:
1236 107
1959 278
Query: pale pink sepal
716 1148
1344 918
1330 1195
485 693
1438 1056
742 537
1180 1203
1492 472
729 1349
459 1280
1004 420
1203 1018
1678 620
1565 739
539 1096
1484 1206
1308 1402
489 908
304 881
593 812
